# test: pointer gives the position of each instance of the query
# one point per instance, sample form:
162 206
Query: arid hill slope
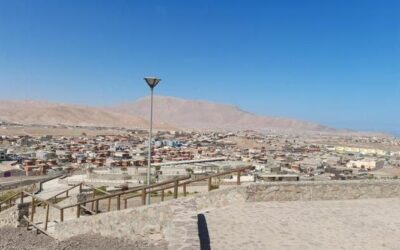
169 113
206 115
45 113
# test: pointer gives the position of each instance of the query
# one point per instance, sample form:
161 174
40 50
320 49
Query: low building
10 168
365 164
45 155
2 154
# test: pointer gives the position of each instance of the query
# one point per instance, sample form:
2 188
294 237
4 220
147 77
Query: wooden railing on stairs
118 196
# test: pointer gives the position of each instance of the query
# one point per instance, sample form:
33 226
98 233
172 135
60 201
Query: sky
332 62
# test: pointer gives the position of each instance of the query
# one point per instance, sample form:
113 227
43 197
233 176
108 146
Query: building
365 164
45 155
2 154
10 168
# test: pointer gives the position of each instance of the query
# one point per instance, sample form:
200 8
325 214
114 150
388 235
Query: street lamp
152 82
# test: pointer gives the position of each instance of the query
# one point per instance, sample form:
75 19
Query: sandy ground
21 239
353 224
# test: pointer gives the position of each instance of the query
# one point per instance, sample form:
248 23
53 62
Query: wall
173 221
176 221
329 190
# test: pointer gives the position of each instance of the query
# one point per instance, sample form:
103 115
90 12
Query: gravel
21 239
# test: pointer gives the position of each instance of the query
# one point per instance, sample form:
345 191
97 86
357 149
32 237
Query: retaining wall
327 190
176 220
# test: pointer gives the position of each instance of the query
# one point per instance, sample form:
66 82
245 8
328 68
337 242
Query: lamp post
152 82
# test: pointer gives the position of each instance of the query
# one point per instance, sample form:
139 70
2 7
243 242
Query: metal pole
149 157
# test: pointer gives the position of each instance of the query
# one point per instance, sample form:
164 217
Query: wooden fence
125 195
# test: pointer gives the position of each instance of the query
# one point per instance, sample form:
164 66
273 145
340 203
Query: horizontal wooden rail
65 191
12 198
9 200
97 189
221 174
165 182
54 197
31 223
42 200
119 194
185 183
144 188
87 209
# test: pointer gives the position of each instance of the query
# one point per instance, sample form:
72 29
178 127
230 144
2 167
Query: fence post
184 190
22 197
33 208
162 194
62 214
109 204
118 202
176 189
238 178
144 196
47 218
94 196
97 206
209 183
78 211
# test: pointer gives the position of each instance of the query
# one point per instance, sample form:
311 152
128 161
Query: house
2 154
10 168
45 155
365 164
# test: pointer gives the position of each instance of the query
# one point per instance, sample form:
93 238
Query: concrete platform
347 224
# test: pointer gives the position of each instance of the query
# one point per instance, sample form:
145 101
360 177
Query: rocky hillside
206 115
169 112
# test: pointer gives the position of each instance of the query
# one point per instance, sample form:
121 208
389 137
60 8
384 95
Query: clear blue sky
332 62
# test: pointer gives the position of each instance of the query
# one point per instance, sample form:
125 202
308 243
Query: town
185 125
119 160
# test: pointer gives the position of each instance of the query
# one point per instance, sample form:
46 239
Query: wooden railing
80 185
12 200
140 191
9 201
66 192
176 184
149 189
48 204
121 193
36 201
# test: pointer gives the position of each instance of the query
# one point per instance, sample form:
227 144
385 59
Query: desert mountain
169 112
206 115
45 113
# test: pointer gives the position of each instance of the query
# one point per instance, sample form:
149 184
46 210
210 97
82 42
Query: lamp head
152 81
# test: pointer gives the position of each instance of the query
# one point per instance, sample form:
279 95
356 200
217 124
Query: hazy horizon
333 63
395 133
